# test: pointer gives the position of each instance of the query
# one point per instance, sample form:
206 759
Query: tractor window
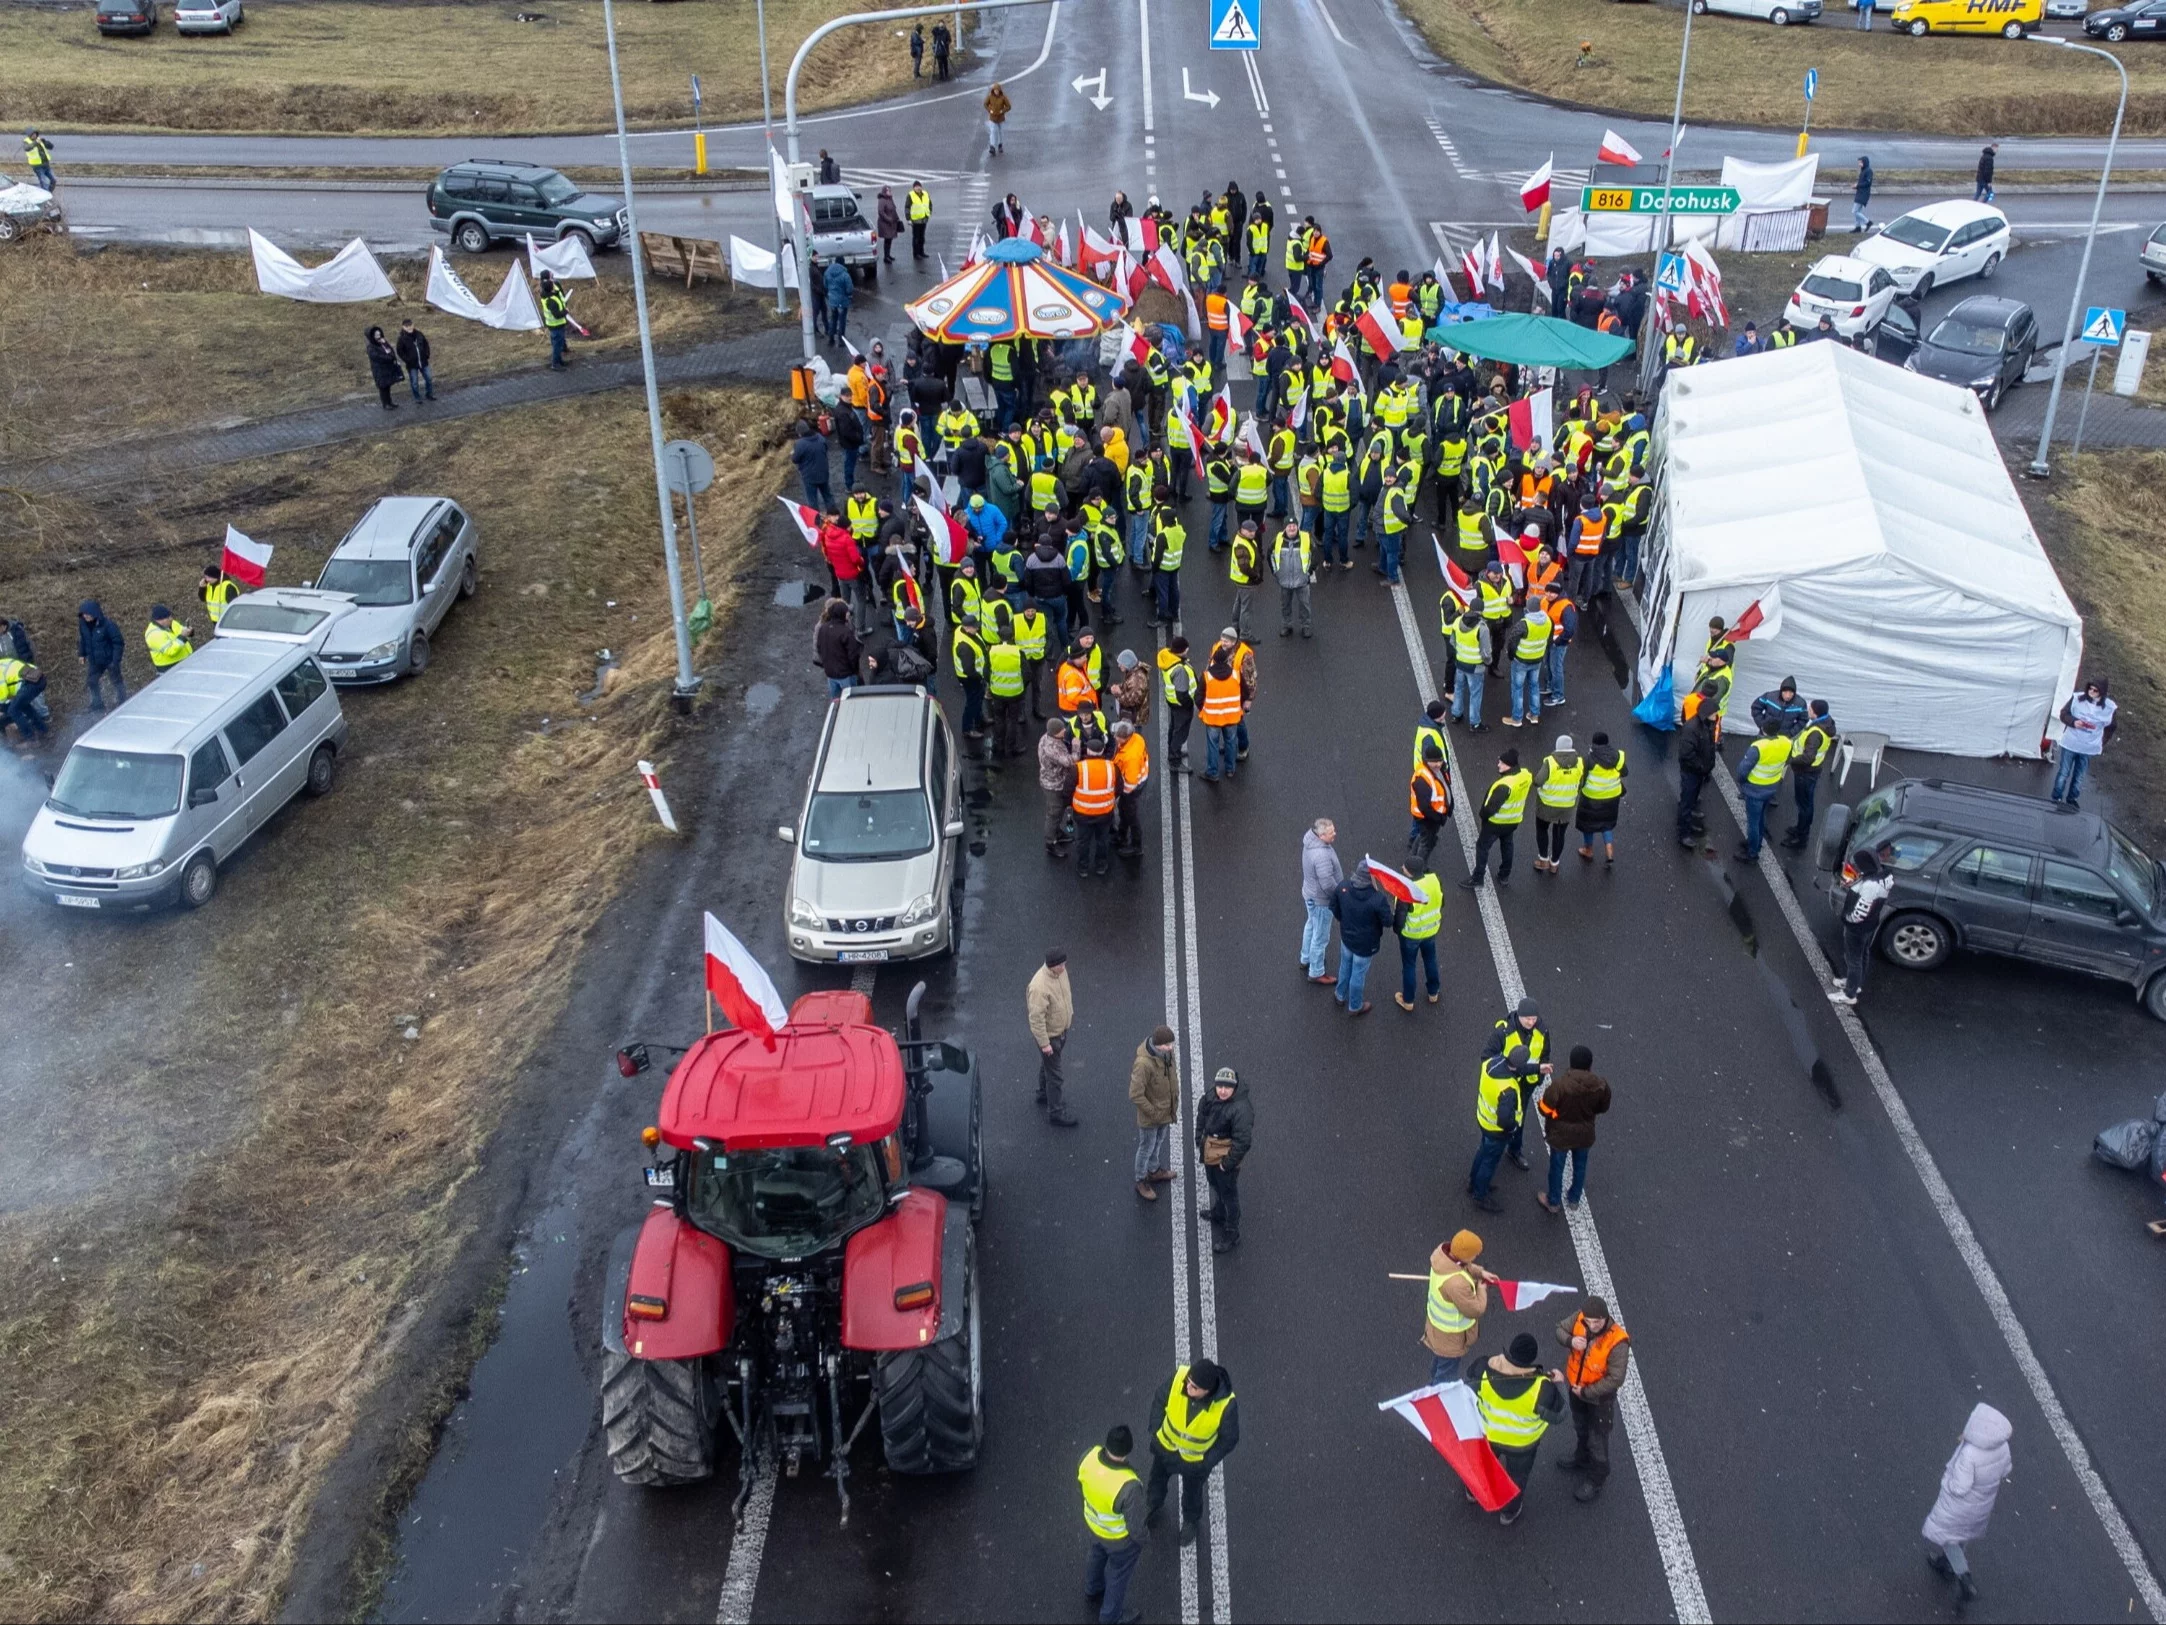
786 1201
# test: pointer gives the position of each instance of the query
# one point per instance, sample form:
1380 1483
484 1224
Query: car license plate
70 900
662 1178
862 956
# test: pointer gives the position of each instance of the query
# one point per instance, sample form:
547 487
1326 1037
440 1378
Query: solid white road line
1255 83
1983 1276
1687 1596
1181 1191
1333 23
742 1579
1143 12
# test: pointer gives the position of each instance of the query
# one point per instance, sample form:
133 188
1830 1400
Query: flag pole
709 998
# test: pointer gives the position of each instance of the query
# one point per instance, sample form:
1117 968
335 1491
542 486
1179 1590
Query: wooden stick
1394 1275
708 996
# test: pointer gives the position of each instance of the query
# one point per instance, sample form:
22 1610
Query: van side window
255 727
301 688
207 768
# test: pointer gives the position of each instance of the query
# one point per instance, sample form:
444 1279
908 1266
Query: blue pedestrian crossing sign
1670 274
1233 24
2102 326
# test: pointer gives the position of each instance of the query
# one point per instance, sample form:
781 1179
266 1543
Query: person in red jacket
846 564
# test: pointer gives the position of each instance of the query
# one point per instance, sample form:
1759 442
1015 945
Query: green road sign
1650 200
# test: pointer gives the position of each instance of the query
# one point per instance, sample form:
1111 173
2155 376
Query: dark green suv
487 200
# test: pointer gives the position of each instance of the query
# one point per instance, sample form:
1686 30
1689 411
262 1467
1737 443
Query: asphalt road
1809 1335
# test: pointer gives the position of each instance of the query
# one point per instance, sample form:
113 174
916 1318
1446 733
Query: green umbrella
1534 341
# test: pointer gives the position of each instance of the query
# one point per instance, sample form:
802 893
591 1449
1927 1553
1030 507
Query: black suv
2008 874
486 200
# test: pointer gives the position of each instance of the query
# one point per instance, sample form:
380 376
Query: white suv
1941 243
879 844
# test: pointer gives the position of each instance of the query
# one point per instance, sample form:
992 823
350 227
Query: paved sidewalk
2114 420
764 356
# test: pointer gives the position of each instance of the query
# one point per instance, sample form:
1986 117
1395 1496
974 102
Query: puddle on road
797 594
761 698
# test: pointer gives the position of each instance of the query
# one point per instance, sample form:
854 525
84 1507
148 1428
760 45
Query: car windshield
786 1201
1969 338
861 826
2133 871
373 582
555 190
1913 232
116 784
1833 287
272 620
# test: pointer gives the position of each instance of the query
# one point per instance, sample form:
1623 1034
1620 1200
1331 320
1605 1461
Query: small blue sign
1812 82
2102 326
1670 274
1233 24
695 90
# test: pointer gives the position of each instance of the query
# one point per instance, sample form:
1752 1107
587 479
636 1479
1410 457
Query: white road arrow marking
1187 90
1099 99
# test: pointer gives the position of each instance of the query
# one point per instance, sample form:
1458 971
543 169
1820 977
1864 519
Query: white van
156 796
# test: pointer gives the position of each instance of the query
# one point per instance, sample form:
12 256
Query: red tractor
810 1259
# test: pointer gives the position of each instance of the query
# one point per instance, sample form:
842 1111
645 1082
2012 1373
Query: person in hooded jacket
1968 1486
100 646
887 223
384 368
1225 1124
1699 756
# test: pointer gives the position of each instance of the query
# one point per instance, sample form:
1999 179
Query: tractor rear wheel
659 1419
930 1416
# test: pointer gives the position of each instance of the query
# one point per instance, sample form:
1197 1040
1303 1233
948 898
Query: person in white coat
1968 1486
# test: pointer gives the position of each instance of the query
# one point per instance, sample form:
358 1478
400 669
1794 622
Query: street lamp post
1662 228
767 122
2039 468
789 118
687 682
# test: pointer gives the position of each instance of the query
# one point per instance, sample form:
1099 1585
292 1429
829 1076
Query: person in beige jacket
1154 1084
1458 1298
1050 1005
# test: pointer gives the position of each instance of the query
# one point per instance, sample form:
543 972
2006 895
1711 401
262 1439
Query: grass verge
186 1352
121 342
1750 73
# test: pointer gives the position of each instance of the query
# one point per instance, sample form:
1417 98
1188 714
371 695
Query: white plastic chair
1860 747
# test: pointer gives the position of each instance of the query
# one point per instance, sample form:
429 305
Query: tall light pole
687 683
1661 232
767 122
789 117
2039 469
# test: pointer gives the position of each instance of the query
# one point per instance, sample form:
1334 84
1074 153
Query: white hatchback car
1941 243
1852 294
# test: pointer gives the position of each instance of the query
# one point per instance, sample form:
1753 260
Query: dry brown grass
104 346
1748 72
185 1358
436 68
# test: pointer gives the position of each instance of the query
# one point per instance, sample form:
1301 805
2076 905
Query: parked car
1895 338
2117 23
490 200
2066 10
402 566
1996 872
1852 294
1779 12
2152 256
840 230
1984 344
879 845
154 798
207 16
25 208
127 16
2011 19
1941 243
302 617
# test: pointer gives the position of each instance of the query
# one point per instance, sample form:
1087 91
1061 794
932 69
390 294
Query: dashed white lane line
1687 1596
741 1580
1983 1276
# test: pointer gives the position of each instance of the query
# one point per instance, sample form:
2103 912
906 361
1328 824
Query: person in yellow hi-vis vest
1112 1522
1518 1401
1196 1426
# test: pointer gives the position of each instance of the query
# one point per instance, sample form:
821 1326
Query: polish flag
1534 271
1513 556
245 560
1136 347
1252 436
1495 267
1456 580
1534 190
1615 149
1097 251
744 990
1343 366
1061 250
1298 418
1445 277
1244 330
1195 318
1143 235
1526 1294
1222 416
1196 446
807 520
1127 275
1447 1416
976 251
1763 616
1390 882
1381 329
1169 270
1304 318
950 540
1531 420
1470 267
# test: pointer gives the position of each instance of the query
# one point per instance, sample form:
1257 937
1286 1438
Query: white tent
1914 596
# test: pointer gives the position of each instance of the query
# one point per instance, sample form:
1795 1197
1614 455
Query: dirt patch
123 342
1750 73
199 1302
432 68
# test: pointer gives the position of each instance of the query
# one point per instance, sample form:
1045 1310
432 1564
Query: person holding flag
1518 1401
1417 919
1458 1298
